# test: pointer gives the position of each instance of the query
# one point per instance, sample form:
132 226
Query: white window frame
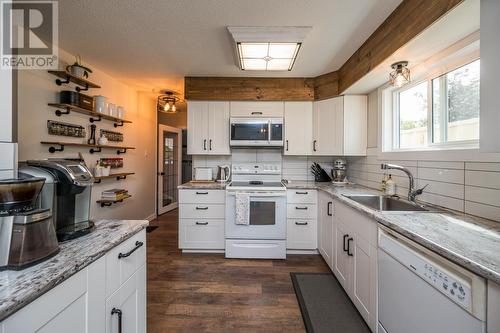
391 114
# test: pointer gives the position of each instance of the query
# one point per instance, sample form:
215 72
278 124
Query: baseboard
151 217
202 251
302 252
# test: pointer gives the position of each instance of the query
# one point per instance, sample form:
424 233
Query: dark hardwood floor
191 293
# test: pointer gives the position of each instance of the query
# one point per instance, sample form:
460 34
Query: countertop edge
72 270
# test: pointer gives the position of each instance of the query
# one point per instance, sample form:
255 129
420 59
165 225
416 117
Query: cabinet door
355 125
328 118
364 265
218 128
197 128
342 268
298 128
325 225
257 109
201 233
127 306
301 234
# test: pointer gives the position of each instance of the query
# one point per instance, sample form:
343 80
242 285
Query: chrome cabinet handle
329 208
301 223
201 223
125 255
119 313
349 253
201 208
344 247
301 208
297 192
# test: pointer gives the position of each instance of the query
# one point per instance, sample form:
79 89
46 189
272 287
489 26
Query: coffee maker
27 234
67 192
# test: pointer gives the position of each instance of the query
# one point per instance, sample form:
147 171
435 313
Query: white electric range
265 235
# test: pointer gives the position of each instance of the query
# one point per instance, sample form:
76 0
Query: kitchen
307 168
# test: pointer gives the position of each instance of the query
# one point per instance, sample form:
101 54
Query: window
439 111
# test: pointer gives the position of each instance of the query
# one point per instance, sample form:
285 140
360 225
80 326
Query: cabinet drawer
201 234
301 234
202 196
124 260
201 211
257 109
301 196
301 211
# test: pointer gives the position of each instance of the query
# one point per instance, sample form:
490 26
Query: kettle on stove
223 173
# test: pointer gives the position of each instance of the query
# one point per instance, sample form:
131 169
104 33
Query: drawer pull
201 223
201 208
297 192
201 192
301 223
301 208
125 255
255 113
119 313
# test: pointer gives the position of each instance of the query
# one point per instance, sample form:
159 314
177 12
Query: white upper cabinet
257 109
340 126
208 128
298 128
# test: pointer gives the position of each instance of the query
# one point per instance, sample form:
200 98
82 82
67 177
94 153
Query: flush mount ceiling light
268 48
166 101
400 74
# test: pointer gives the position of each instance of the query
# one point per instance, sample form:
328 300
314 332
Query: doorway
169 167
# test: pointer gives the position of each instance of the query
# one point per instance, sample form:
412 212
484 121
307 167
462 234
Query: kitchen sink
386 203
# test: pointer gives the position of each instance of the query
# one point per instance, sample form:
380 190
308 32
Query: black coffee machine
67 192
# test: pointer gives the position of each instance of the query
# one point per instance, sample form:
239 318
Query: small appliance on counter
27 234
203 174
339 172
67 192
223 173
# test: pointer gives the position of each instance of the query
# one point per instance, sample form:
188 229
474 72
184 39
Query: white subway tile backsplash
244 155
486 211
483 179
443 201
442 175
440 188
487 196
268 155
441 165
482 166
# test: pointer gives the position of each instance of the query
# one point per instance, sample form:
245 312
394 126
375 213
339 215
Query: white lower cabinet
79 304
355 259
325 227
202 219
302 210
493 318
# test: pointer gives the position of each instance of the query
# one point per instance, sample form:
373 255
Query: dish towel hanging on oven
242 201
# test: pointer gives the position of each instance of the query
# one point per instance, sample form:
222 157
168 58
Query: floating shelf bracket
121 177
106 204
117 124
97 181
60 113
95 150
82 89
53 149
59 82
92 119
121 151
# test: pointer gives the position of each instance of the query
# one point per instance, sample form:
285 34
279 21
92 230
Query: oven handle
254 194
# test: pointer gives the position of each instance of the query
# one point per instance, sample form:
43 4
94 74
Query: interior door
218 128
169 167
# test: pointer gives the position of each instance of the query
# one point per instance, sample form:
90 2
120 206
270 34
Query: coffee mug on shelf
100 104
120 112
112 109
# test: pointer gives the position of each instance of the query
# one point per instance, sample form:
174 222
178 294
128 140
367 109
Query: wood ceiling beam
406 22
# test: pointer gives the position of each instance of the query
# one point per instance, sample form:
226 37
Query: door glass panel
170 168
262 213
249 131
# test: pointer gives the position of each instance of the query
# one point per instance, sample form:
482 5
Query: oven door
267 217
249 132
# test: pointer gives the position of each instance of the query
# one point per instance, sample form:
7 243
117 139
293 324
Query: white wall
37 88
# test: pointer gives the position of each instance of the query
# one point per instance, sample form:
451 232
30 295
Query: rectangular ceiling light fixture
268 48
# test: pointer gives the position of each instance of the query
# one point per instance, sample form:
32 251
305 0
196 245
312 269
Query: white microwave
261 132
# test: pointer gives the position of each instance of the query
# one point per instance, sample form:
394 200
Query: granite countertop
18 288
471 242
202 186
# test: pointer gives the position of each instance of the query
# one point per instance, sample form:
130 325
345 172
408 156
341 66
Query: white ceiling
155 43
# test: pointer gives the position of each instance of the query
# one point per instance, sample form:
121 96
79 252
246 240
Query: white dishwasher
420 291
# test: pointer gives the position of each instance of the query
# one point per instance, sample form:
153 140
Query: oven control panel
257 169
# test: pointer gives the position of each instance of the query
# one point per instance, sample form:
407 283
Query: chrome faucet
412 192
